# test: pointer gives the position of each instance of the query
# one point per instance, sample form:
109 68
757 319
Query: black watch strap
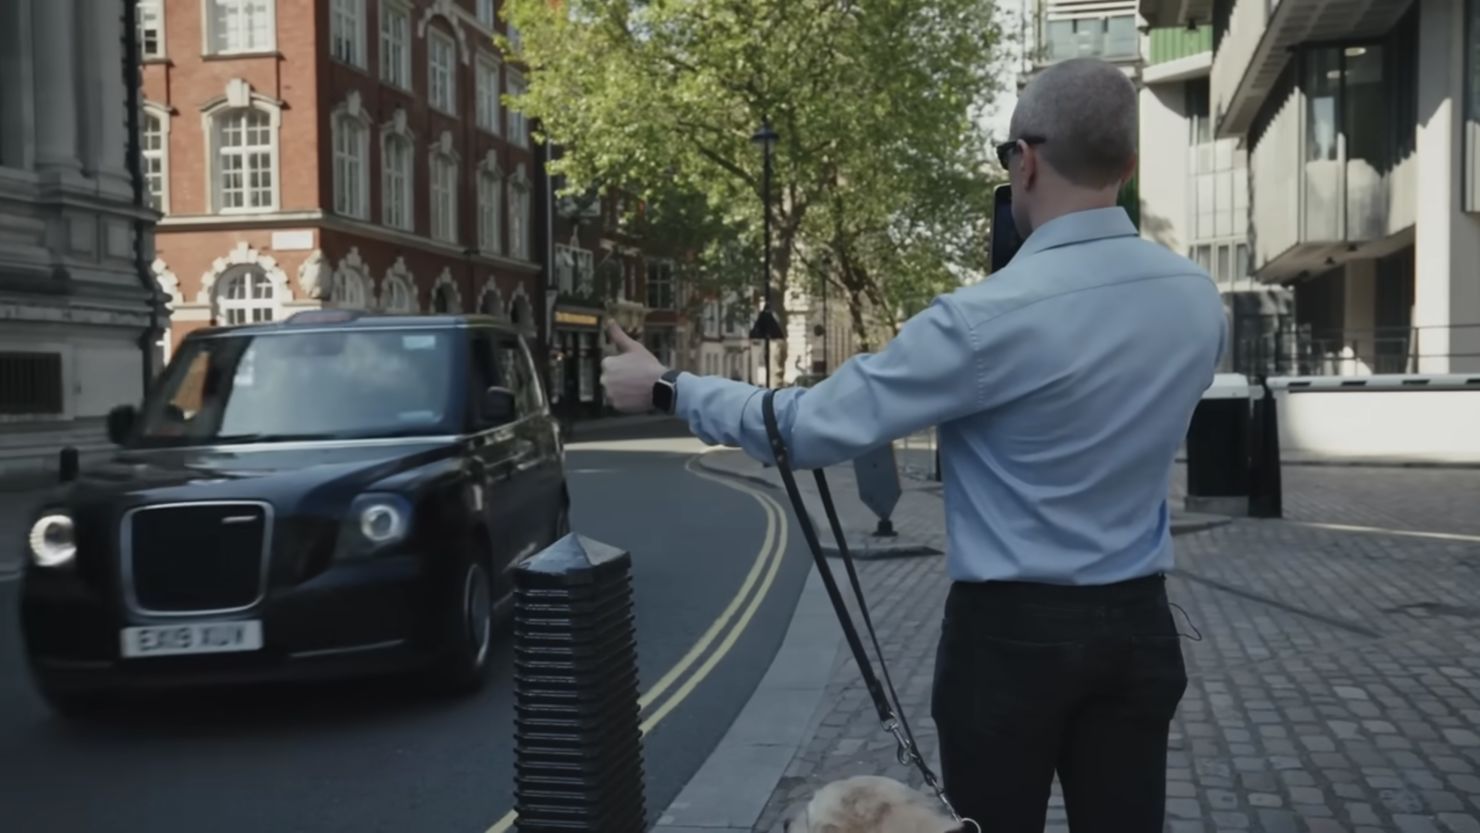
665 392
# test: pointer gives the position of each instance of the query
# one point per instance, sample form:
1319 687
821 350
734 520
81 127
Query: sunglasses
1008 148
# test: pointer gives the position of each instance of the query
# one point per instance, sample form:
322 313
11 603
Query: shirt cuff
713 407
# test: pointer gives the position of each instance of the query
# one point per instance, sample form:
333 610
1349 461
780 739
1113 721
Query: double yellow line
727 628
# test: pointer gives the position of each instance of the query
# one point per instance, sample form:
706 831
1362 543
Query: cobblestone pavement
1336 685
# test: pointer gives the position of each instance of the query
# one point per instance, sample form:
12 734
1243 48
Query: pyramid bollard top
572 555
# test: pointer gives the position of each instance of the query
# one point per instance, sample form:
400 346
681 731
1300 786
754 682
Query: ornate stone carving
315 280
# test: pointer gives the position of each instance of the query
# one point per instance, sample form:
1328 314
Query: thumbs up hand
629 375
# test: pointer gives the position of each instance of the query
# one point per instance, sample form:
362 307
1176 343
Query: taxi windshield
315 385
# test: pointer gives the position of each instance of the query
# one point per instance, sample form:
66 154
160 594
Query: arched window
521 315
351 166
442 300
519 221
491 304
445 296
443 172
398 290
349 290
396 181
154 148
245 295
399 296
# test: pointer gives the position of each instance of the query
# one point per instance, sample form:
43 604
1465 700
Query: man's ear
1130 171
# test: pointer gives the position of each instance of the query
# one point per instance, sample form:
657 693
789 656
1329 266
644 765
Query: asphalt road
378 755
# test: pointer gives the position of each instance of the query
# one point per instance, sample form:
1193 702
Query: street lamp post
766 326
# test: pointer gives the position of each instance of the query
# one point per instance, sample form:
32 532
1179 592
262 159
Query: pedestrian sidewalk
1335 686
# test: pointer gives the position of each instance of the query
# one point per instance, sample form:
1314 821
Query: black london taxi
340 493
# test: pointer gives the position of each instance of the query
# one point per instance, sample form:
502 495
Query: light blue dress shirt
1062 387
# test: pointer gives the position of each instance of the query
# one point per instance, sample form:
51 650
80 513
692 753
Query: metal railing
1278 345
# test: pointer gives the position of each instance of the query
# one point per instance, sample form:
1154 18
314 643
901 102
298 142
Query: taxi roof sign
323 316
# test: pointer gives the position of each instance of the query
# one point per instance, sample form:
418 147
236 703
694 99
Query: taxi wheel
470 614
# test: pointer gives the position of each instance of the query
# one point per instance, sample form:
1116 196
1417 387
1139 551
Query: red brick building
351 153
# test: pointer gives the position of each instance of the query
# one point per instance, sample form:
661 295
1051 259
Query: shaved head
1084 112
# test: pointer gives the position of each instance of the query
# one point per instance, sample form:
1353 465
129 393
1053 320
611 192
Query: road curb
723 472
732 787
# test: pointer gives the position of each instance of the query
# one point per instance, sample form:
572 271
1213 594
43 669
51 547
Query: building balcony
1253 41
1177 53
1333 164
1104 29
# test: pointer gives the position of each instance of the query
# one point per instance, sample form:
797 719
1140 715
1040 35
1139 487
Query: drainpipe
547 152
131 71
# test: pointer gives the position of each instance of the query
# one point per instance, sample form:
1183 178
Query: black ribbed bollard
69 464
577 742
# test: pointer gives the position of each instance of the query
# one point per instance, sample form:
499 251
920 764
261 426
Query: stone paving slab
1334 675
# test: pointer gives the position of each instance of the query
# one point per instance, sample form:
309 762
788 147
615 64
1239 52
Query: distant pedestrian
1062 386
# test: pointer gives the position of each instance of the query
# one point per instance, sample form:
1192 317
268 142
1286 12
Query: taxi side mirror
121 423
498 406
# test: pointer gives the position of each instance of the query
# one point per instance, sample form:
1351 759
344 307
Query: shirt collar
1079 227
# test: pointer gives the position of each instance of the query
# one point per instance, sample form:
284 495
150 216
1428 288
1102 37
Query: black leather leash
891 714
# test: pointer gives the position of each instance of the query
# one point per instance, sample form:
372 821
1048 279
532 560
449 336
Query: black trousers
1033 679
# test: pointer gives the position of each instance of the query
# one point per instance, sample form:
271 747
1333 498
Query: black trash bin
1218 449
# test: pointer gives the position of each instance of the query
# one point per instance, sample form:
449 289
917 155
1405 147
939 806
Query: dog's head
869 804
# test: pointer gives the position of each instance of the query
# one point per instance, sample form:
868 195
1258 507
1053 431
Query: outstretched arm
927 374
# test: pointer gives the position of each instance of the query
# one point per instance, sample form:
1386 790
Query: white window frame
236 101
250 275
490 109
664 268
162 154
443 225
486 15
394 70
211 18
351 163
396 131
565 268
151 12
442 97
585 270
490 208
518 124
347 14
519 219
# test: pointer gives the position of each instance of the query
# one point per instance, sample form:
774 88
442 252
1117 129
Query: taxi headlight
53 540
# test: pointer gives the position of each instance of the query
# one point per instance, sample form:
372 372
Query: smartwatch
665 392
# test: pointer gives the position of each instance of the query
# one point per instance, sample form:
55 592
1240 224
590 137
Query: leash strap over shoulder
891 715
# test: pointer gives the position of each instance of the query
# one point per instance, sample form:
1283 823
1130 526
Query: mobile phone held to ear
1005 237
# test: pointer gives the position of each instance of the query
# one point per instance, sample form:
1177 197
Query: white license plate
192 638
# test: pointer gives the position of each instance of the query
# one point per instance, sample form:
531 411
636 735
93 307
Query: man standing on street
1062 387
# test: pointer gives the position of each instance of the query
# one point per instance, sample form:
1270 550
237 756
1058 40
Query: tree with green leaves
880 177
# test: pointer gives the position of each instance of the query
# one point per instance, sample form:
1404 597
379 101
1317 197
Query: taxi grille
196 557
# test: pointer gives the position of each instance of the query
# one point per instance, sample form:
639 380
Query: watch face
663 396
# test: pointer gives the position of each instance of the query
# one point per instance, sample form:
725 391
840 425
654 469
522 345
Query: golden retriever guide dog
871 804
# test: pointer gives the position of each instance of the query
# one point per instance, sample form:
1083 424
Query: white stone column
56 58
1438 196
111 115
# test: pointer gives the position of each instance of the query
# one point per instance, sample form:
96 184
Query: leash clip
904 751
